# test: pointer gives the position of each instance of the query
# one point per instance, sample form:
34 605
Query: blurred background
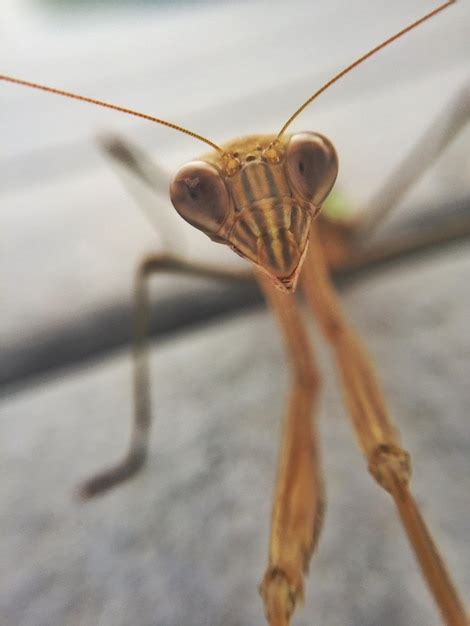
185 543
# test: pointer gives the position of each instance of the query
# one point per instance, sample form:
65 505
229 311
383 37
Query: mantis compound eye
312 166
199 195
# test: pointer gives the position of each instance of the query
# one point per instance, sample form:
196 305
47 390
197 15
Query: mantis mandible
260 195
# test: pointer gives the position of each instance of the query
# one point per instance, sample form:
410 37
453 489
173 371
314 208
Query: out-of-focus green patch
338 205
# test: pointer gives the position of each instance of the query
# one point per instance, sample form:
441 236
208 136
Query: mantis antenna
364 57
181 129
108 105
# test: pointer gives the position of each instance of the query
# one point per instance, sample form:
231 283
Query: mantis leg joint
390 464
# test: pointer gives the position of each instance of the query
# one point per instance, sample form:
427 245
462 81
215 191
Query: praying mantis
260 195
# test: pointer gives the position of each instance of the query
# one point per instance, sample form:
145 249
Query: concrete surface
185 543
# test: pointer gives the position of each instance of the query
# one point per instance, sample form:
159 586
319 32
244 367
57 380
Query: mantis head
258 196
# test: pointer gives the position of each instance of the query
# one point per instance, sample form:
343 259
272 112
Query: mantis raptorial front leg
137 453
298 499
388 462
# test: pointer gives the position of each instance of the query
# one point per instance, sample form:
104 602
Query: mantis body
260 195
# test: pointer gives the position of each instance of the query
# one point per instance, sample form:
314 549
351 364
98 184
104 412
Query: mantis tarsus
259 195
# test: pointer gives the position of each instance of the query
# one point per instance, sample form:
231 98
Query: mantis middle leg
138 448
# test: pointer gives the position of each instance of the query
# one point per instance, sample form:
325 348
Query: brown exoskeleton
260 195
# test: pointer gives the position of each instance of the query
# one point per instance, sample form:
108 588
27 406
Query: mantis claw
279 596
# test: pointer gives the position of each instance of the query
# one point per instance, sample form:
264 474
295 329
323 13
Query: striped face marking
264 207
270 228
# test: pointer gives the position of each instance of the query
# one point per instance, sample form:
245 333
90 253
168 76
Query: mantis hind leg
346 238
